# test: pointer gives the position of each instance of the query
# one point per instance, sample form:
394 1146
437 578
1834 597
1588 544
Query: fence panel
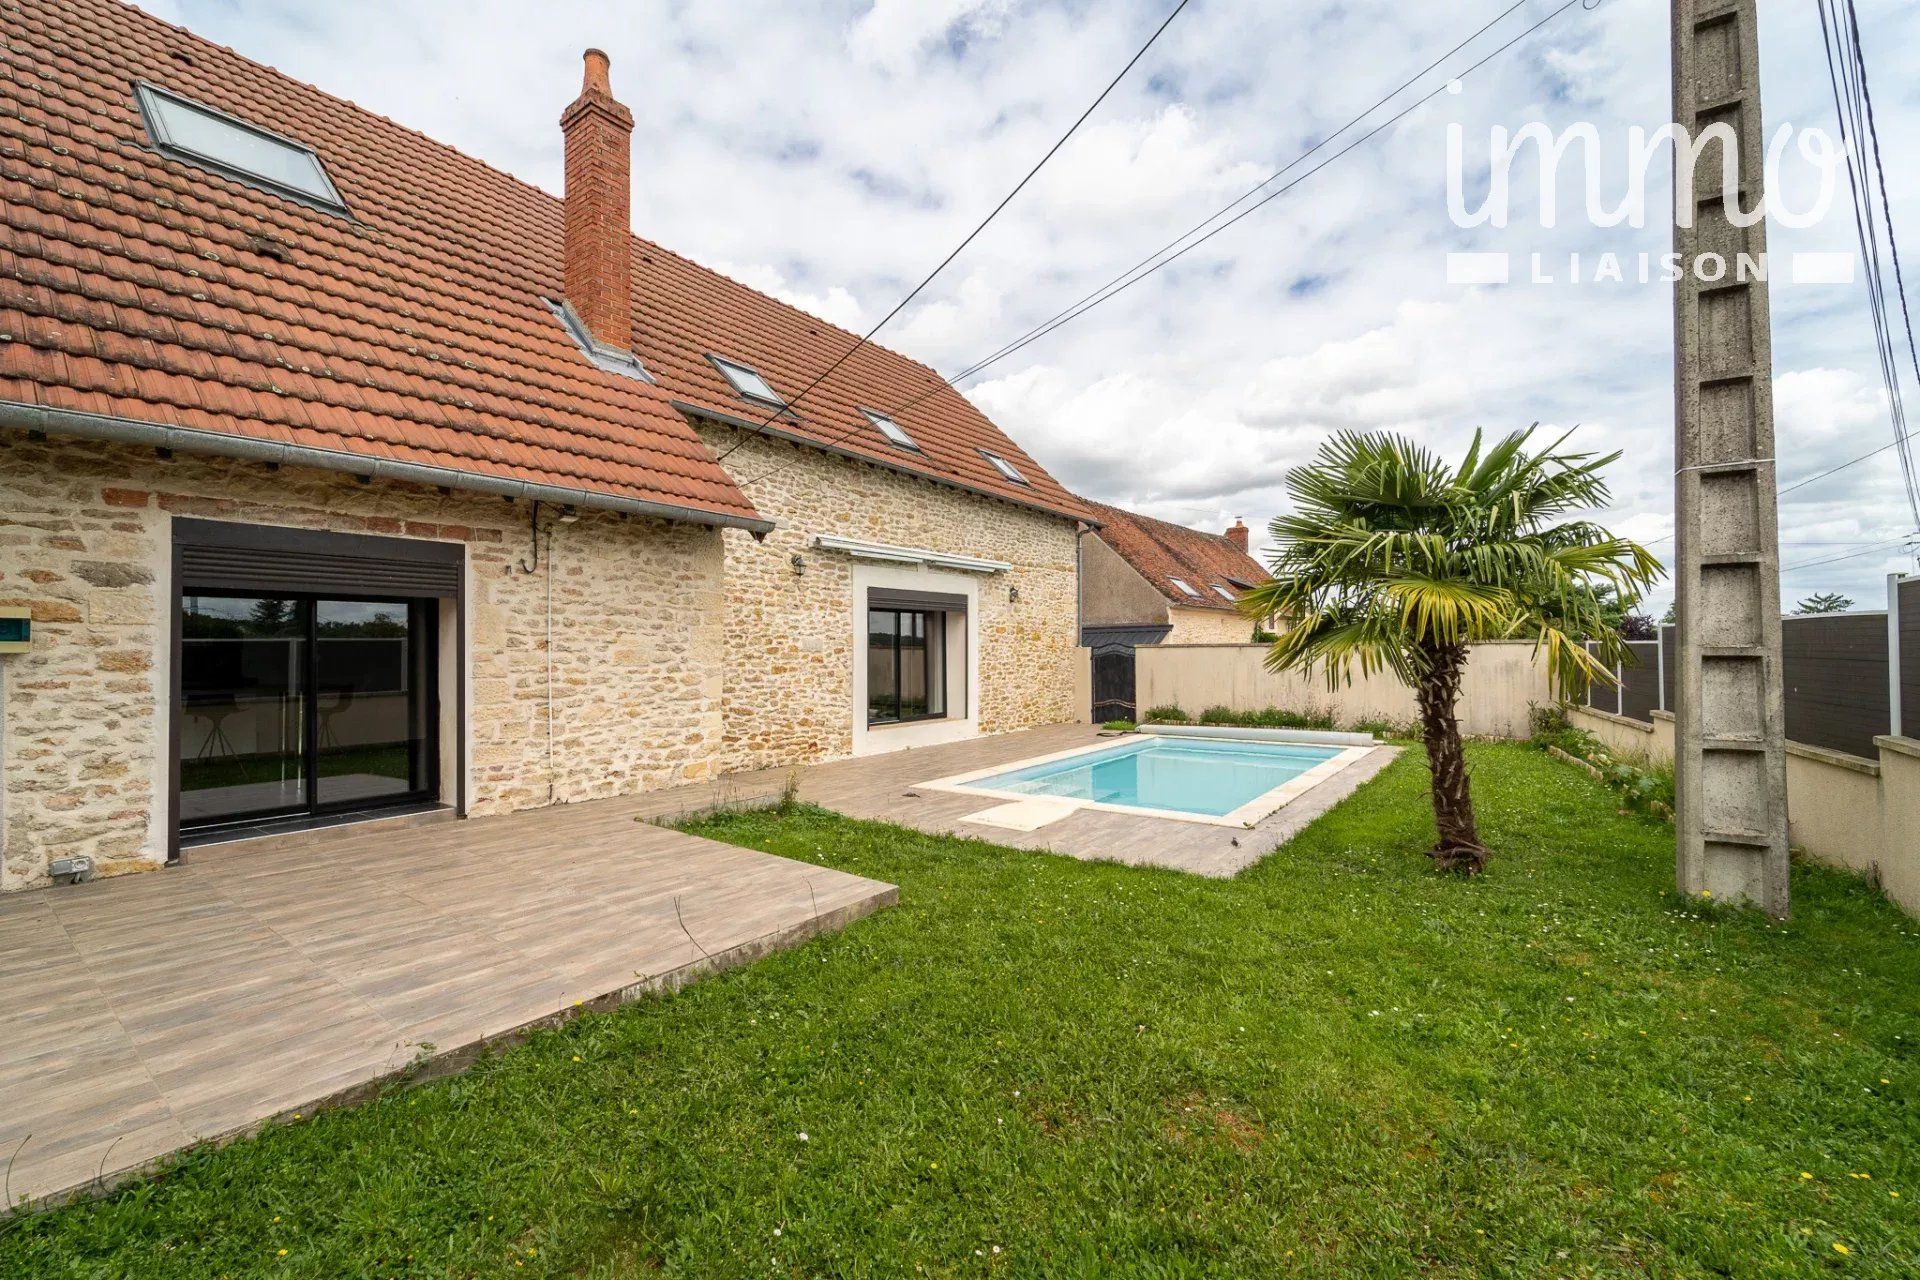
1834 668
1909 599
1640 680
1638 692
1670 647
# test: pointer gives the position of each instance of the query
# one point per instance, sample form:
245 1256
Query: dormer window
1182 584
185 130
1004 467
749 384
893 431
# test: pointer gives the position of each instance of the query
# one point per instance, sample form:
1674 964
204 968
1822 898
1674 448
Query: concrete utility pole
1729 748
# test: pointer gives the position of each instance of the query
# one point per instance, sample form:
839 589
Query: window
906 665
748 383
1182 584
1004 467
185 130
892 430
1224 593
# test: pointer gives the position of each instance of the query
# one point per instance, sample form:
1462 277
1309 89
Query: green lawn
1335 1065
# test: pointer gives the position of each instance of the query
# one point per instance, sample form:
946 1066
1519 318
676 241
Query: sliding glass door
294 705
906 665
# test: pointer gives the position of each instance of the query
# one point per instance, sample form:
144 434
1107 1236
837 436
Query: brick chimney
1238 534
599 141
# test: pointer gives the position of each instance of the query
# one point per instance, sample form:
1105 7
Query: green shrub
1387 728
1167 715
1119 726
1547 723
1271 718
1641 784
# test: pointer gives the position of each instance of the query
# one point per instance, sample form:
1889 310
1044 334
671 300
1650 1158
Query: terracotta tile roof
138 287
1162 552
686 311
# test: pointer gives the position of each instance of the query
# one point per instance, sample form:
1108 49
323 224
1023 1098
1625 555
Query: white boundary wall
1844 810
1501 680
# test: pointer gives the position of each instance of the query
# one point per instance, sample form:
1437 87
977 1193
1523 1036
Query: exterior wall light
1013 595
799 563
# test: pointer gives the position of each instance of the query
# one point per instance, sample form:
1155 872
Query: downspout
552 780
1079 583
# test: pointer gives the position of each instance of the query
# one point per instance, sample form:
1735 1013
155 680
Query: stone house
342 476
1165 582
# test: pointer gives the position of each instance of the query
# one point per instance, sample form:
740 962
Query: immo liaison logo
1711 155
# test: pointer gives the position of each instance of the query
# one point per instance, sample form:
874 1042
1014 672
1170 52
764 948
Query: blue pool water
1210 776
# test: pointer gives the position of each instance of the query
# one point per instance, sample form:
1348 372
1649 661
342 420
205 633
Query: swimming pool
1232 781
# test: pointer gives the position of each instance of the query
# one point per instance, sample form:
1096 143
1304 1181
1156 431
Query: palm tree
1394 561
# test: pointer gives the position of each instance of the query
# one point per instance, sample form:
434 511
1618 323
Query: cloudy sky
831 153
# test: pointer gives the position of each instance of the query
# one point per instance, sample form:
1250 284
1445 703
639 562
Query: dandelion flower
1841 1249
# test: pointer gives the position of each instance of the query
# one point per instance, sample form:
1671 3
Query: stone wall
790 642
85 543
1208 626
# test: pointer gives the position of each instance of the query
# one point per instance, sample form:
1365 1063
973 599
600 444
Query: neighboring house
1140 574
342 474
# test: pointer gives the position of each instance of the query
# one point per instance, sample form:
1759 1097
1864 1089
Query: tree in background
1394 561
1825 602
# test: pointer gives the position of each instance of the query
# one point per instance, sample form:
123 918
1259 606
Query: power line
946 261
1878 549
1822 475
1134 275
1846 72
1039 329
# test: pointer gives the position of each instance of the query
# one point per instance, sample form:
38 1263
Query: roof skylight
1004 467
1182 584
185 130
892 430
748 383
1224 593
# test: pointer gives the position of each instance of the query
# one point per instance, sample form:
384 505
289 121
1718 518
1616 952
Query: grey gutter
95 426
693 410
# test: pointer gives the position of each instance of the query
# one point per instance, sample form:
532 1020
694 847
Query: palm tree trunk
1459 848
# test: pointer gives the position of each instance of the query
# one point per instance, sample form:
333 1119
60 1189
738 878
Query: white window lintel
908 555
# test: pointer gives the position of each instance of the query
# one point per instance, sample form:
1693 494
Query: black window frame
424 668
933 619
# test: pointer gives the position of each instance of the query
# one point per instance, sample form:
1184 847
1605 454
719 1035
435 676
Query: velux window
893 431
1182 584
1004 467
748 383
1224 593
187 131
906 665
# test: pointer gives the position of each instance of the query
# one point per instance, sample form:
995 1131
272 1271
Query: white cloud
892 33
834 304
834 156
